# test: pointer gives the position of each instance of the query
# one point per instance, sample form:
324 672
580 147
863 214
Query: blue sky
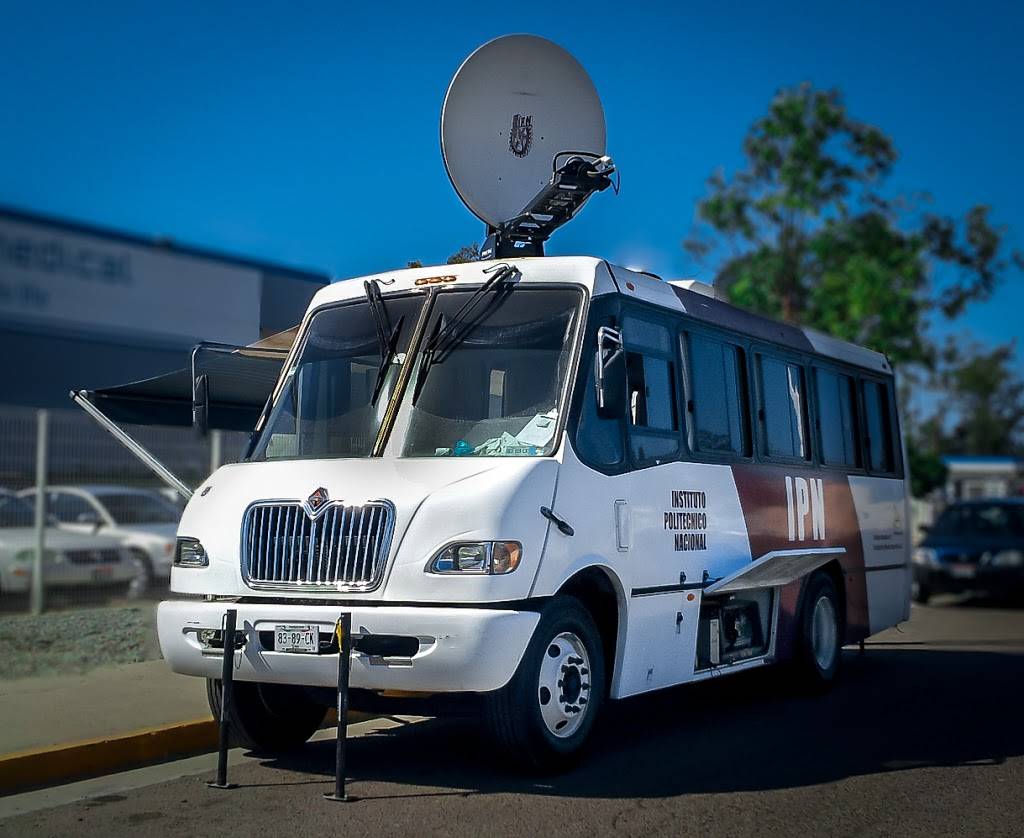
307 133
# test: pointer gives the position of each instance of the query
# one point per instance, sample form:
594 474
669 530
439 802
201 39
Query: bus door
665 574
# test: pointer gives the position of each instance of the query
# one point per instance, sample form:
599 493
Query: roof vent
696 286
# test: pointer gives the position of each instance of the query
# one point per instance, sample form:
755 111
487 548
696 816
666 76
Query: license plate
963 571
298 638
102 574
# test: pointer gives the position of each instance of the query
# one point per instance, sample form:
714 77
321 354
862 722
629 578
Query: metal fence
107 531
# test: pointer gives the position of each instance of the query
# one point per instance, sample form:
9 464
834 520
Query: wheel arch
835 572
602 594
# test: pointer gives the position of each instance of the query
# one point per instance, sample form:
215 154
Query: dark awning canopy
239 382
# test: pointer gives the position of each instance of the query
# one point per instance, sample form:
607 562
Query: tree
986 398
803 233
466 253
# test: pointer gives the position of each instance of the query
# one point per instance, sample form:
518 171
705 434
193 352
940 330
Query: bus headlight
477 557
190 553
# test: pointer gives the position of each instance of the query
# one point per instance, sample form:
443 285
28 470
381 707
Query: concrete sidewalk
108 701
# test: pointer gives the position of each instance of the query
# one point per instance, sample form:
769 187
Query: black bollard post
227 690
343 631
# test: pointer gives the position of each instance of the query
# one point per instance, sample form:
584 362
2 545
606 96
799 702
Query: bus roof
601 278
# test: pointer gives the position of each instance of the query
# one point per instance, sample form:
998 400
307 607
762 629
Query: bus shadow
897 709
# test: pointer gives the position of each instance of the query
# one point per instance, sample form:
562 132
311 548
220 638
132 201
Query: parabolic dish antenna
513 105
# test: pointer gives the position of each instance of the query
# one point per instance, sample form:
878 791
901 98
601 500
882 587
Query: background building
85 307
82 306
983 477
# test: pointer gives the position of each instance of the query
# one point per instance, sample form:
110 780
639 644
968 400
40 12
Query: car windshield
14 512
493 389
326 406
981 520
496 391
138 508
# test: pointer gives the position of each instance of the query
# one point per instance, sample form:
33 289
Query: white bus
538 485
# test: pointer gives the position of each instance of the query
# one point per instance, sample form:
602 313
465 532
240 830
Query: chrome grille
103 556
344 547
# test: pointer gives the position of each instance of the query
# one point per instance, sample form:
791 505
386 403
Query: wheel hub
563 688
824 633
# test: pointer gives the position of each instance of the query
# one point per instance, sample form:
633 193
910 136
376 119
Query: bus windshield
326 407
495 389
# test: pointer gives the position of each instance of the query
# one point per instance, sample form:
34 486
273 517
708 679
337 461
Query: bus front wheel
544 715
268 717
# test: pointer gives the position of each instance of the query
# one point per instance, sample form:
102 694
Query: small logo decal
316 501
520 137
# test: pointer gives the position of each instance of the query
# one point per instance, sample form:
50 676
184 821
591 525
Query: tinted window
598 440
717 391
785 414
643 334
877 416
68 508
837 418
652 402
14 512
650 392
138 508
981 520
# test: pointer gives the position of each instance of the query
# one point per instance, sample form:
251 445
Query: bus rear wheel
820 633
268 718
543 717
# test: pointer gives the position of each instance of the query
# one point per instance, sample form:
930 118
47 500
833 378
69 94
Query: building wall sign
53 278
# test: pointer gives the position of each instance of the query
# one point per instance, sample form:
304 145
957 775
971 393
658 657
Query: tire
920 593
143 579
268 718
820 634
538 719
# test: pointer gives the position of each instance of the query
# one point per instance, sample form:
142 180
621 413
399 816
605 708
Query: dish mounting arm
570 187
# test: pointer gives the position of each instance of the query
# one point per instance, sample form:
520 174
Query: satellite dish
513 105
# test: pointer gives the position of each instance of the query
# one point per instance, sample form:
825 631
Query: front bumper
460 649
945 579
17 578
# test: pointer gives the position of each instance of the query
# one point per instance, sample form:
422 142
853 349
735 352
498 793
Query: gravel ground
76 641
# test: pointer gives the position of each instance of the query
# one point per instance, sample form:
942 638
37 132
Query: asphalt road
925 736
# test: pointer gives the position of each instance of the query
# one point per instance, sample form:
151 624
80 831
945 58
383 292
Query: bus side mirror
610 374
201 405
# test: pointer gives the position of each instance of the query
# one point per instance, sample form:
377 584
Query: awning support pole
147 459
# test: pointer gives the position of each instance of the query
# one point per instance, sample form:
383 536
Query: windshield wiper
387 339
449 333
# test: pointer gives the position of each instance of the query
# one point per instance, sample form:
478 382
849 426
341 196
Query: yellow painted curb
92 757
107 755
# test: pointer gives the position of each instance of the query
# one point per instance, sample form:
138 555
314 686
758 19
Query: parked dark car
975 545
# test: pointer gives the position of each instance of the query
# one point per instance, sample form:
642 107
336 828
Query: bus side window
650 391
784 409
717 396
837 418
877 420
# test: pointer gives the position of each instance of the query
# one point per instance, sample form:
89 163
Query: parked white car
70 559
141 520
